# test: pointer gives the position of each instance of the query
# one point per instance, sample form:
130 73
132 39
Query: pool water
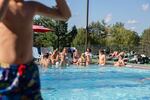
95 83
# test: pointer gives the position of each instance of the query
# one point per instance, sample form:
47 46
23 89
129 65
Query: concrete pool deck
139 66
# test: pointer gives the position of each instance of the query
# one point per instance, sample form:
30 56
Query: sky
135 14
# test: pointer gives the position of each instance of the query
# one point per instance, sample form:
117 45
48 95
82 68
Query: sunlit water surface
95 83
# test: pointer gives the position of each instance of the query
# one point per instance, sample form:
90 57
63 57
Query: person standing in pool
102 57
19 76
120 62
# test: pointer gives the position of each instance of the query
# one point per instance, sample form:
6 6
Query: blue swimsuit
20 82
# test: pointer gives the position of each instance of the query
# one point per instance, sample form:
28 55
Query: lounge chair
36 54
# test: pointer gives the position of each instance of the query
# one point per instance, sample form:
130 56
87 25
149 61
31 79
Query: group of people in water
65 58
55 58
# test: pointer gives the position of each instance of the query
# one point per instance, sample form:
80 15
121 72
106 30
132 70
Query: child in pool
102 57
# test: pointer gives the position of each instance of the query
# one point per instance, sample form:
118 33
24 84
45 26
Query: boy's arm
60 12
3 8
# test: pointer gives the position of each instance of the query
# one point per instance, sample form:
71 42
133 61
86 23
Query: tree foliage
98 32
121 38
115 36
71 36
101 34
80 37
44 39
145 41
59 38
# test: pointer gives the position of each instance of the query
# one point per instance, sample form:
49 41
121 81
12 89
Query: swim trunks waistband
6 65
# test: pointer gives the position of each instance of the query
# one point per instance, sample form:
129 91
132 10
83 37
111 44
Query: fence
95 49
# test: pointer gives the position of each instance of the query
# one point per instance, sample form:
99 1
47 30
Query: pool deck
139 66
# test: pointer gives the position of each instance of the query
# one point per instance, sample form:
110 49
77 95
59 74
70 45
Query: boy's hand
63 8
60 12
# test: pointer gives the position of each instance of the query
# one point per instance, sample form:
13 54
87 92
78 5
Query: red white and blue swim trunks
20 82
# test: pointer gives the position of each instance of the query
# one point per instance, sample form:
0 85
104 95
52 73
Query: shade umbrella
38 28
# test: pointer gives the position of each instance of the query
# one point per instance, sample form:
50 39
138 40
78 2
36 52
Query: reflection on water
94 83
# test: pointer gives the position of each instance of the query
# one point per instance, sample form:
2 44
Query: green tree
61 33
145 41
98 33
56 39
44 39
71 36
79 40
121 38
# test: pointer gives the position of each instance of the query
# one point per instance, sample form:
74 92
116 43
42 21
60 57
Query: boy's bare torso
16 27
102 59
16 33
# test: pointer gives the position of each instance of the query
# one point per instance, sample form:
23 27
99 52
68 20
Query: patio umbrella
38 28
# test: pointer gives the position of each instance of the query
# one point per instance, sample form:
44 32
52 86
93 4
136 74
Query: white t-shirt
88 54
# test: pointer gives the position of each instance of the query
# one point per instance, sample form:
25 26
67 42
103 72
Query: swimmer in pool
102 57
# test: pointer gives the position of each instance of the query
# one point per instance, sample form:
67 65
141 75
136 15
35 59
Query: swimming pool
95 83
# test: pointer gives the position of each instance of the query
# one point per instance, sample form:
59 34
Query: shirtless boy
19 75
102 57
120 62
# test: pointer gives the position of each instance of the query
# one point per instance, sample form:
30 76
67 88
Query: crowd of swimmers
119 56
55 58
65 58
